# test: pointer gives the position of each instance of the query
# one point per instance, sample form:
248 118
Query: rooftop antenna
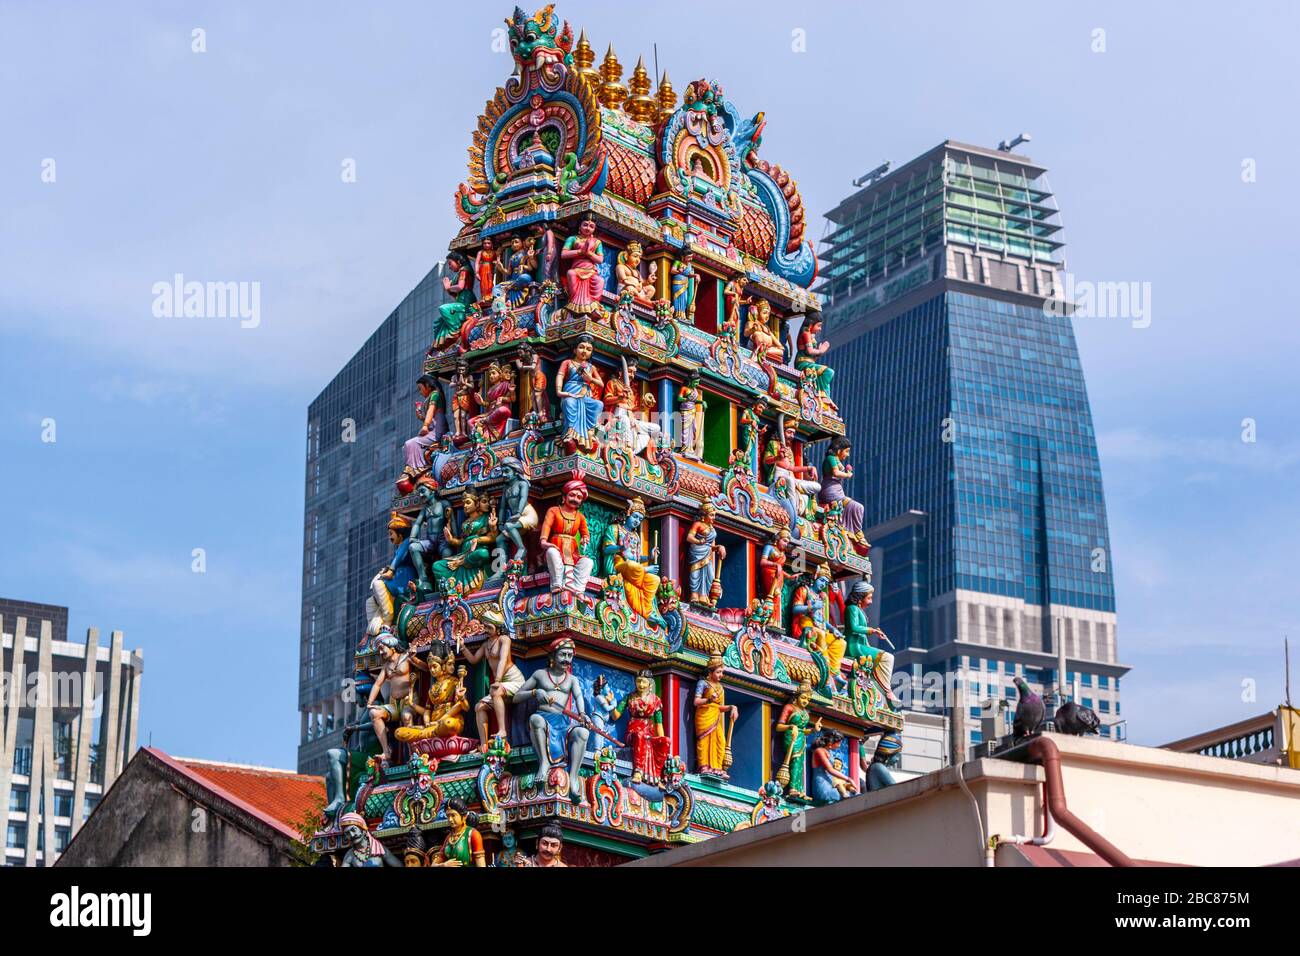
1007 146
1286 651
659 77
871 177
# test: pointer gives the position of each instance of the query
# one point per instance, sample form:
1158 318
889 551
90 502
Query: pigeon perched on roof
1029 711
1072 718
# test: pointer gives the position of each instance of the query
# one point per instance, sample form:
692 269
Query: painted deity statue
564 534
550 849
772 574
795 725
630 408
496 403
762 338
780 461
548 253
878 775
603 705
691 406
468 565
532 384
808 359
394 683
704 558
621 551
363 847
583 255
752 428
433 424
485 267
462 405
515 270
684 282
504 677
645 730
505 857
427 541
712 738
463 845
628 270
388 588
517 512
835 471
560 725
811 622
442 714
458 283
829 783
733 297
858 633
580 388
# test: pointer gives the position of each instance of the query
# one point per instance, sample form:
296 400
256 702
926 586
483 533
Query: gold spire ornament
612 92
667 98
584 58
640 105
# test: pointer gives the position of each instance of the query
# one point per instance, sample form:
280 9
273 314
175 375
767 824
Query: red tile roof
280 797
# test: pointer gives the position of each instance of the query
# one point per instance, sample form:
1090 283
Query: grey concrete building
68 719
355 431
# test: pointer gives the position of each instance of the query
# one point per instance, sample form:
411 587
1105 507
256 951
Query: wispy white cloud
1141 446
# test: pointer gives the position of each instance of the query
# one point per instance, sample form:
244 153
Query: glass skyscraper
355 431
975 454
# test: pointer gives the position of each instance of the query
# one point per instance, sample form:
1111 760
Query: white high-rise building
68 718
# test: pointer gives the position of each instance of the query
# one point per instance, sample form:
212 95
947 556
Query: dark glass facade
1029 515
973 410
349 489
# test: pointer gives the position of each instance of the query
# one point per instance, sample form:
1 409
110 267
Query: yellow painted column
767 741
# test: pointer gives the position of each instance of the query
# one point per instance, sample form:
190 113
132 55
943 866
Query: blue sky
175 434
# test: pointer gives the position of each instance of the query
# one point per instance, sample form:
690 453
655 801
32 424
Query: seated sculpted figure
443 713
621 550
628 271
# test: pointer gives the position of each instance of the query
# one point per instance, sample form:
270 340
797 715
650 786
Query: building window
18 800
62 836
17 836
62 803
23 761
91 802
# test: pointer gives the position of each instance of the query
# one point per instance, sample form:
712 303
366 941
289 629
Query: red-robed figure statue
645 730
583 254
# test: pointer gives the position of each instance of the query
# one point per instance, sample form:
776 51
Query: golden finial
612 92
640 105
583 58
667 98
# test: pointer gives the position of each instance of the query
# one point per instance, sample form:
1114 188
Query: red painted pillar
672 699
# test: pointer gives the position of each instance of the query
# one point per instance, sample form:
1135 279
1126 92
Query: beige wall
1152 804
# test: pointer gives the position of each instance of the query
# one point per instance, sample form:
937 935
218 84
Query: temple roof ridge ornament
563 128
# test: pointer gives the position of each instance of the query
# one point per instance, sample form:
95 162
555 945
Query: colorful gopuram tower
626 607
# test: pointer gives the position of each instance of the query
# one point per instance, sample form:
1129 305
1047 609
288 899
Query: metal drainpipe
1049 834
1044 751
